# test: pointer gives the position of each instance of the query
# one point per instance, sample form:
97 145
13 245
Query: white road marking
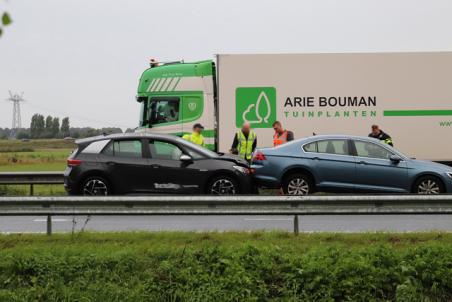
53 220
268 219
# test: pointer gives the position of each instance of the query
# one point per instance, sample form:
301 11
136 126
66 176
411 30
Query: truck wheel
95 186
428 185
223 185
298 184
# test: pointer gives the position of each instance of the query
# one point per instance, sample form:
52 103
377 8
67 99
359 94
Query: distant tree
74 132
65 127
110 130
23 134
48 127
55 127
130 130
37 126
4 133
33 125
40 126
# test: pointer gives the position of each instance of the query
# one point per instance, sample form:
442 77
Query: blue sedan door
333 164
376 172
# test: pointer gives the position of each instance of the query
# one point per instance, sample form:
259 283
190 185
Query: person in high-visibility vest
281 135
381 135
245 142
196 136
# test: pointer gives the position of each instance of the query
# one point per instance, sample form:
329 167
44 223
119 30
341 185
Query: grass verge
226 267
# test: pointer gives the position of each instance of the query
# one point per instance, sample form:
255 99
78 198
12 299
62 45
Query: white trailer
409 95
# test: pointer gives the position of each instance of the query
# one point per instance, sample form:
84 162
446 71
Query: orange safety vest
279 140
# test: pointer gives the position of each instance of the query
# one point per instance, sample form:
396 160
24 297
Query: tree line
51 127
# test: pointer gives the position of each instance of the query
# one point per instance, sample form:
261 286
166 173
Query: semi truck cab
175 96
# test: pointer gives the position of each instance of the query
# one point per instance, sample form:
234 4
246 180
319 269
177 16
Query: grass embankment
226 267
34 155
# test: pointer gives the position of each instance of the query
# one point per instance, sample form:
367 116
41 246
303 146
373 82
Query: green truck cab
174 96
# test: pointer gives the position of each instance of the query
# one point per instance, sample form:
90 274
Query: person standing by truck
244 142
196 136
381 135
281 135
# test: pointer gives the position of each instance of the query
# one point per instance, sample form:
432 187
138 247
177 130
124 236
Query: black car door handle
110 163
155 166
316 158
363 162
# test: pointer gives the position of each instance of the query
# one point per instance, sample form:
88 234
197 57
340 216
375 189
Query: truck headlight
449 174
241 169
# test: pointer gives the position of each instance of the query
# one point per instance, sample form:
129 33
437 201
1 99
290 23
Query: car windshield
198 148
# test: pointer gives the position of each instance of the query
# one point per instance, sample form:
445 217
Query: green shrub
269 267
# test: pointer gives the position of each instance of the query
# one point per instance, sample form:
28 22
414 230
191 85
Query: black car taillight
73 162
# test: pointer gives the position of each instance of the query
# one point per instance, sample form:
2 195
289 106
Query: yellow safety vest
245 146
194 138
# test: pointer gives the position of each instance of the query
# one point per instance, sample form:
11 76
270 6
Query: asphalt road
327 223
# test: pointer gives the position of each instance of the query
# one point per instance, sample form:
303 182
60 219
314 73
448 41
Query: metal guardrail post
49 225
31 190
296 229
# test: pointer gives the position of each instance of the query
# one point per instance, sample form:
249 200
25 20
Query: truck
409 95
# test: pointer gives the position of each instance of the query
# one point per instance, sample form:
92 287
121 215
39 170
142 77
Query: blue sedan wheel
297 184
429 185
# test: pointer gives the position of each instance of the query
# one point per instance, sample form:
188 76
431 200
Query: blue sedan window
311 147
333 146
366 149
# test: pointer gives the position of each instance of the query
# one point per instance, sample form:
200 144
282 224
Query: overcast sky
83 58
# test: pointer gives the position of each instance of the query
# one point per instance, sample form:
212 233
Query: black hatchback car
146 163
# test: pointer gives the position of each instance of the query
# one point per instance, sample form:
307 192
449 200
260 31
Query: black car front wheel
95 186
223 185
428 185
298 184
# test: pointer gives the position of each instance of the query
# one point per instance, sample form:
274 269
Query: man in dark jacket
381 135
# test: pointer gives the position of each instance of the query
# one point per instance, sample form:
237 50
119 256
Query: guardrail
31 178
225 205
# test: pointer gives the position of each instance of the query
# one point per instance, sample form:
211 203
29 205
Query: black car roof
144 134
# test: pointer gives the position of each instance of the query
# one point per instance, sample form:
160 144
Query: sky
83 58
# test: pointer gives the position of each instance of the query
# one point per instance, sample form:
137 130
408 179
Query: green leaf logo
256 105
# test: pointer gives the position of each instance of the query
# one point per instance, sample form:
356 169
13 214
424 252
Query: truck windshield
163 110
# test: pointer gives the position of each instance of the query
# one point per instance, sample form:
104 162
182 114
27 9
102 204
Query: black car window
96 146
367 149
193 154
333 146
124 148
165 150
311 147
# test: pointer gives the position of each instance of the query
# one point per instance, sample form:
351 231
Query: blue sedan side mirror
395 159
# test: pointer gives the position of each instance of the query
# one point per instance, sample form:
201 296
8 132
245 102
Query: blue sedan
339 163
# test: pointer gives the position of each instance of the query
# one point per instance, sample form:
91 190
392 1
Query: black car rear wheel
429 185
223 185
95 186
297 184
